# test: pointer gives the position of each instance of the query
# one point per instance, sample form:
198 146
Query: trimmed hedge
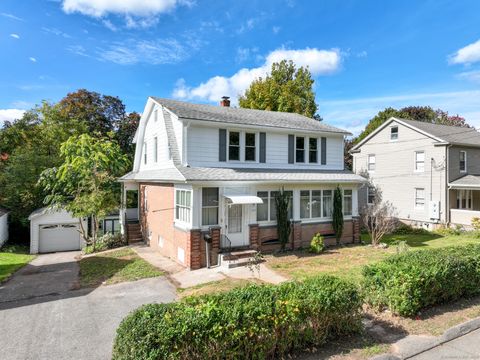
409 282
253 322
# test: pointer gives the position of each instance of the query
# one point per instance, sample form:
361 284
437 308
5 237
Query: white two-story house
210 173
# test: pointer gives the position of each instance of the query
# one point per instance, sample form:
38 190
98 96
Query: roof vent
225 101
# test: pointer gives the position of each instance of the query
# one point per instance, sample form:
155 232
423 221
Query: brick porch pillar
253 235
297 234
356 229
194 259
215 245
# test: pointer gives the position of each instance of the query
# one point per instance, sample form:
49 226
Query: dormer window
250 148
394 133
234 146
300 149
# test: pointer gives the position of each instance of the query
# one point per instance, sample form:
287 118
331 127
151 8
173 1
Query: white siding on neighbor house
155 129
395 173
3 229
203 149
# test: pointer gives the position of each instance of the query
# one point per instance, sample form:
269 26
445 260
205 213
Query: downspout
447 190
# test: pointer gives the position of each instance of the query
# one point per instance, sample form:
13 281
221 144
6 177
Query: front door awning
243 199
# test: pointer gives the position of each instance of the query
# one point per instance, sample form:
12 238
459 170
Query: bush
449 231
317 245
253 322
476 223
408 282
107 241
404 229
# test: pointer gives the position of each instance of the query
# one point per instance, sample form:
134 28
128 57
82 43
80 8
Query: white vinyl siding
155 149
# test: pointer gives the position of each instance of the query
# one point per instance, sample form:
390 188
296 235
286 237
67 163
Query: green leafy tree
85 183
125 133
337 215
286 89
282 202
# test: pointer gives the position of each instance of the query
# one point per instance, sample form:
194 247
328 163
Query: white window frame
210 206
239 145
300 149
184 217
145 158
244 151
418 199
392 138
464 161
310 150
269 208
369 162
343 201
155 149
322 215
417 168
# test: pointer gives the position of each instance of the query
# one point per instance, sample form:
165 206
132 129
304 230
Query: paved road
43 314
466 347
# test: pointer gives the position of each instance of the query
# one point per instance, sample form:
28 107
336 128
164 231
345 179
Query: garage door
59 237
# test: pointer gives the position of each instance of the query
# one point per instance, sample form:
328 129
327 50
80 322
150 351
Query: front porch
464 196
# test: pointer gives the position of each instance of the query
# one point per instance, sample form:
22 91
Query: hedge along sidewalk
409 282
253 322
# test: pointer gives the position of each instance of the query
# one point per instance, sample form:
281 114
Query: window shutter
222 148
324 151
291 149
263 147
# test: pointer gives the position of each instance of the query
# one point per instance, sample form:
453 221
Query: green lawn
114 267
12 258
347 262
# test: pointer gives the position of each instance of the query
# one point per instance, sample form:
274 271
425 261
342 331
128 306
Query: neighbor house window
209 206
371 162
313 152
371 195
145 152
234 146
419 198
250 149
183 205
463 161
315 204
300 149
268 210
419 161
394 133
155 149
347 202
464 199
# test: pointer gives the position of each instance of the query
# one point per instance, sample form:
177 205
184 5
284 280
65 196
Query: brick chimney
225 101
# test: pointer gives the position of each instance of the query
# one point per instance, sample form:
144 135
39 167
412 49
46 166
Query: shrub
107 241
404 229
476 223
408 282
317 245
447 231
253 322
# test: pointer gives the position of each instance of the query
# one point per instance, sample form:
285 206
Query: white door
235 228
58 237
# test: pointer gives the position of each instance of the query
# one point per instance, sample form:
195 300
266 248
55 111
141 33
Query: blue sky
364 55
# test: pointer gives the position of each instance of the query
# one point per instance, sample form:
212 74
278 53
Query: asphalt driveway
44 315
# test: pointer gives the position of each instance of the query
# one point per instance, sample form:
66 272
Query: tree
337 215
125 133
282 202
347 157
286 89
85 183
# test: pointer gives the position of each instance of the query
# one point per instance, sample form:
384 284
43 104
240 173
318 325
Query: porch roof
466 182
244 199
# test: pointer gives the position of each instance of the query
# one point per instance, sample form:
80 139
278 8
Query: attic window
394 133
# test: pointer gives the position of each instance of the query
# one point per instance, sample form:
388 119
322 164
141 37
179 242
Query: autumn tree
285 88
125 133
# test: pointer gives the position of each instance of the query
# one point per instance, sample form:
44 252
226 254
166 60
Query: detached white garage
53 231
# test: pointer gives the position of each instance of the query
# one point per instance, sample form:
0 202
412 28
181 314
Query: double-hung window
155 149
209 206
268 210
371 162
250 148
463 161
419 198
419 161
183 205
347 202
371 195
300 149
313 150
234 146
394 133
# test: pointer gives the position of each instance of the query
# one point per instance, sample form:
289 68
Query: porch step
134 233
237 258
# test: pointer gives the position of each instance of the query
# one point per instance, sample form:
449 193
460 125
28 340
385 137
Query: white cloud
354 114
10 115
276 29
163 51
320 62
56 32
466 55
11 16
471 75
32 59
15 36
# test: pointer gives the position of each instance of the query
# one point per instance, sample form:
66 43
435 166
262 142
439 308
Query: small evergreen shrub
317 245
253 322
409 282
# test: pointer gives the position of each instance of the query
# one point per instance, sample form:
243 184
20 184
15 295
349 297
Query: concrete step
236 255
237 258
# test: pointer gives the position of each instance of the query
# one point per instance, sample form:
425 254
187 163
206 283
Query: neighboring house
206 171
3 226
54 230
429 172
